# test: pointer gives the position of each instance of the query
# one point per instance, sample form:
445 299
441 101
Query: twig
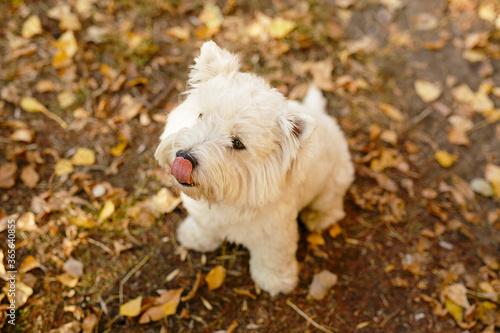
306 317
129 274
389 317
101 245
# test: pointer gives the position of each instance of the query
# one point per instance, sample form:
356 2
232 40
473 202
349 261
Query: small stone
321 284
98 191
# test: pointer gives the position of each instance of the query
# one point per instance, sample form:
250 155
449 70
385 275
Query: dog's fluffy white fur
295 159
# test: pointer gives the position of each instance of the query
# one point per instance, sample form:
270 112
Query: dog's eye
237 144
200 116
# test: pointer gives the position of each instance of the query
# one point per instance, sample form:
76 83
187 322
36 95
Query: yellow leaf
107 210
31 104
391 112
31 27
492 174
315 239
445 159
66 99
180 33
28 264
131 308
63 167
68 280
83 156
118 149
211 16
335 230
66 48
23 292
427 91
215 277
166 305
454 310
82 222
170 307
280 28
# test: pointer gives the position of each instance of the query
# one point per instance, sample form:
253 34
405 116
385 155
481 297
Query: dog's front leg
273 262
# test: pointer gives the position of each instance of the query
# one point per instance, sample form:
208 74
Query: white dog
247 161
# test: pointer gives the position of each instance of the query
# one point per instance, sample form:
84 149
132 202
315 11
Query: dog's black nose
186 155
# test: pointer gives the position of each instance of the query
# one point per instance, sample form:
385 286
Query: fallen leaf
492 173
321 284
212 17
83 157
63 167
244 292
72 327
427 91
29 176
89 323
131 308
107 210
215 277
31 27
458 294
28 264
22 135
482 186
73 267
31 104
8 175
66 99
82 222
177 32
445 159
118 149
335 230
67 47
27 222
166 305
391 112
23 292
130 107
315 239
454 310
280 28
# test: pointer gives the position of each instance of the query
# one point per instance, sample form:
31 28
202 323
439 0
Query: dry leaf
177 32
482 186
66 48
73 267
215 277
31 27
131 308
29 176
321 284
315 239
130 107
107 210
23 292
83 157
454 310
82 222
31 104
63 167
427 91
492 173
166 305
212 17
72 327
8 175
391 112
335 230
445 159
28 264
280 28
27 222
23 135
458 294
118 149
66 99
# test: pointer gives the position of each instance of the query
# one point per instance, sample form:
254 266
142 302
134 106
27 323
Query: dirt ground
415 85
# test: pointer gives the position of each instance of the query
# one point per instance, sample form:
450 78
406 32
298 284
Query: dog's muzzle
182 167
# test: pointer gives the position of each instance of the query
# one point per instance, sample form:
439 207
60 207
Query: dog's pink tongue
181 170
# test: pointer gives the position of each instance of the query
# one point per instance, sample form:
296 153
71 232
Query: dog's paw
275 279
194 237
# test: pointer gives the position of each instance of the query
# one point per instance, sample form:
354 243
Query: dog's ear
299 126
212 61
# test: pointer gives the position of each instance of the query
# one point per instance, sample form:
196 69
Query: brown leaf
29 176
8 175
166 306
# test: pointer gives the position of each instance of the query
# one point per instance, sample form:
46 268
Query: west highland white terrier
247 161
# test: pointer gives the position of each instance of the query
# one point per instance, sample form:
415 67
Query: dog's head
233 140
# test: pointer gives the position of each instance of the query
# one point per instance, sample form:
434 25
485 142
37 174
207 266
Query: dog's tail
314 100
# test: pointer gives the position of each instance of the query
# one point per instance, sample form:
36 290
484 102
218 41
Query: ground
85 86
